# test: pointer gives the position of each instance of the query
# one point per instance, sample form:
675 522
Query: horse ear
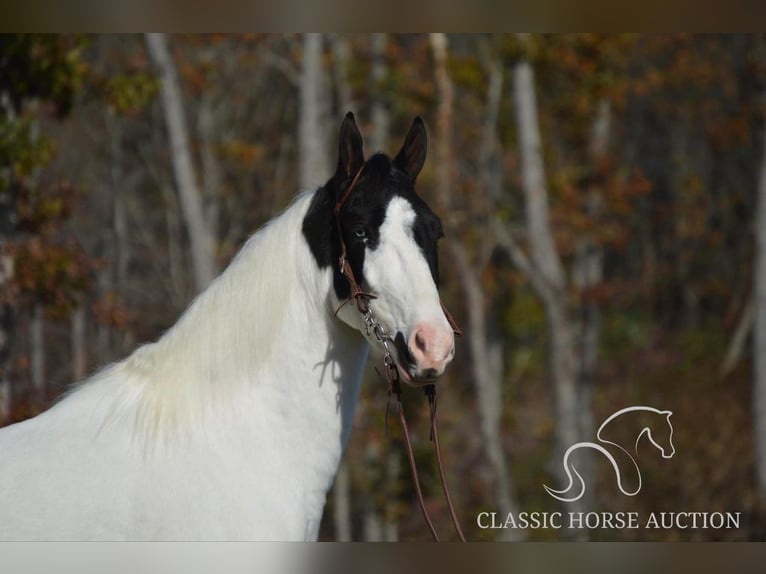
412 156
350 154
667 413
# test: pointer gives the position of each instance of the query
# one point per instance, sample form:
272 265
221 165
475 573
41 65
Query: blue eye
359 231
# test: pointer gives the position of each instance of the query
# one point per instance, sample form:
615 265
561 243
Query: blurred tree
190 196
312 130
544 265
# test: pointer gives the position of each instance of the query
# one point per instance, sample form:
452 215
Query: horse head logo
657 428
664 431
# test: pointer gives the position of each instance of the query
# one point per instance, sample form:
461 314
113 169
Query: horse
231 426
660 428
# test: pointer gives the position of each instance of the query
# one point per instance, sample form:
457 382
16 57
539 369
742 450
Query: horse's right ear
350 154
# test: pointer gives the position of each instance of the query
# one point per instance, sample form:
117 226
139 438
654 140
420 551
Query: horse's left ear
412 156
350 154
667 413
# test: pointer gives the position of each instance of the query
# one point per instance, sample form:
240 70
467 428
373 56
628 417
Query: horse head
662 433
388 236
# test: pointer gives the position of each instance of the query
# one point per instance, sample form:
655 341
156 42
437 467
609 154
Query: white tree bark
200 238
545 261
542 245
759 326
442 152
312 136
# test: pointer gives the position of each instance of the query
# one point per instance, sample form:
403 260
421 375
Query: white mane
227 331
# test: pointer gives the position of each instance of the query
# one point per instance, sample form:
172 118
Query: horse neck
258 353
631 423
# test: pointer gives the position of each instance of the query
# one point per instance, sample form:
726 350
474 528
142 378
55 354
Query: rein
372 327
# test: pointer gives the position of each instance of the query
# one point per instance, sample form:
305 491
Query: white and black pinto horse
232 425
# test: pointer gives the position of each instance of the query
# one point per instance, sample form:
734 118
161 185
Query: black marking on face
365 209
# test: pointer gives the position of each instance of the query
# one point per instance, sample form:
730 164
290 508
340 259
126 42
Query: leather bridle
373 328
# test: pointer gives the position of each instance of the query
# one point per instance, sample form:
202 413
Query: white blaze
397 271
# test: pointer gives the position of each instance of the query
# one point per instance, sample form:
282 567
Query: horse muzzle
425 354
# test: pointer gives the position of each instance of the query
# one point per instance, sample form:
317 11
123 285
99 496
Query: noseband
372 327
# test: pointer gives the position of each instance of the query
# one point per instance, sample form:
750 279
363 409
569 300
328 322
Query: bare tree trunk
381 115
542 245
37 352
737 345
393 479
122 252
200 239
445 90
587 273
314 159
545 260
342 503
79 356
103 330
212 178
759 324
489 161
372 525
341 56
487 374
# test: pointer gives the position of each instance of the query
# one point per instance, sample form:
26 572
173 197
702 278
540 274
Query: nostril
421 342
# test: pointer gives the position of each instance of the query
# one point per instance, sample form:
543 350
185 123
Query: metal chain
372 327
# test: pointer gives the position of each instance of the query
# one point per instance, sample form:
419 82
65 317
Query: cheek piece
372 327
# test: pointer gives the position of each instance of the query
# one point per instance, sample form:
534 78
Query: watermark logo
656 427
640 422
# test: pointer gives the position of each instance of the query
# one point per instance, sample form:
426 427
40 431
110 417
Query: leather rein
372 327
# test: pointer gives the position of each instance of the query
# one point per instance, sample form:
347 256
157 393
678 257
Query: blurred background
603 196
